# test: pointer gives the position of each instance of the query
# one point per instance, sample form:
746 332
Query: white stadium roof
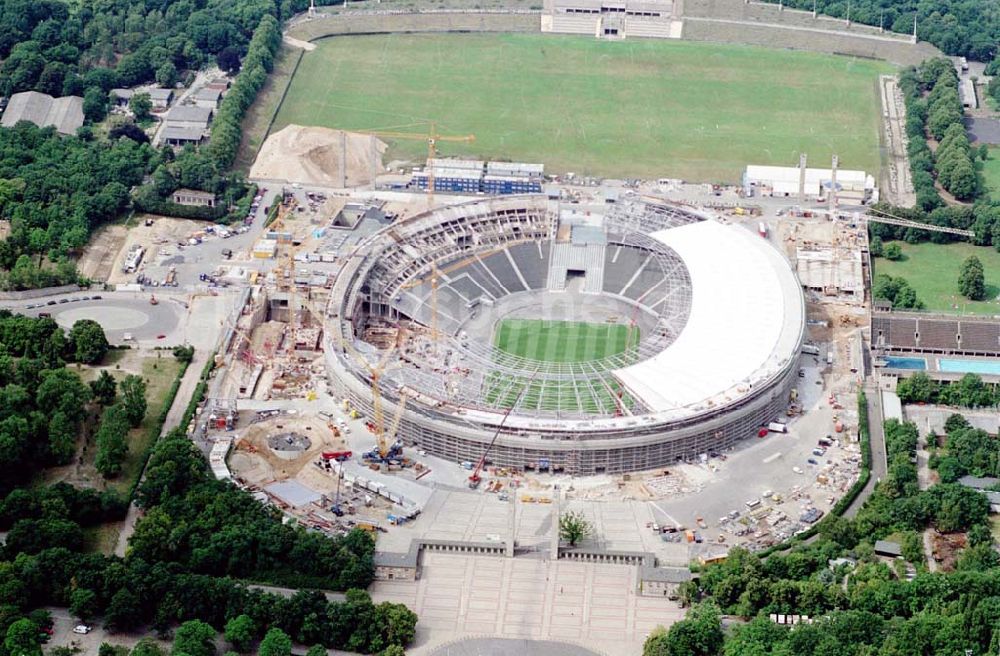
745 322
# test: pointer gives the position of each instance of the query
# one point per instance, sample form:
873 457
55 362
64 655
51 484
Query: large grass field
637 108
991 173
561 341
933 269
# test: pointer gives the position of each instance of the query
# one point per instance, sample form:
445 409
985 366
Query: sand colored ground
159 239
98 258
312 155
256 464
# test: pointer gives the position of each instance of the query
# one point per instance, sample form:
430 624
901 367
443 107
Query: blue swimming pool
916 364
988 367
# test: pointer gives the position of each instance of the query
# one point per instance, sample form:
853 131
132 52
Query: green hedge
199 392
227 127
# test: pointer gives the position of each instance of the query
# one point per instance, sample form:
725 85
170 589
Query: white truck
777 427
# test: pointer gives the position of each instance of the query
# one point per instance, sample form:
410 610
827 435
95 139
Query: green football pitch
644 108
561 341
557 342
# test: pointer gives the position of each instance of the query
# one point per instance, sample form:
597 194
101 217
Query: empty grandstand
612 19
706 321
915 332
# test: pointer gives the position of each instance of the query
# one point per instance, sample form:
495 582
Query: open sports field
634 108
561 341
933 269
556 341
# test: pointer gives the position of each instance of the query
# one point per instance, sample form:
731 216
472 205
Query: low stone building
397 566
662 581
193 197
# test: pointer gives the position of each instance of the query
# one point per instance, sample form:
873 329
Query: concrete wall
338 25
762 24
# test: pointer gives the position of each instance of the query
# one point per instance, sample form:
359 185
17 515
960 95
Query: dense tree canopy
61 188
968 392
62 48
897 291
958 27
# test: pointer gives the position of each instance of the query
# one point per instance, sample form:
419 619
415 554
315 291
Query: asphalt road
119 313
879 464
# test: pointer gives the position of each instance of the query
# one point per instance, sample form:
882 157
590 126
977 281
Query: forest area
199 540
56 190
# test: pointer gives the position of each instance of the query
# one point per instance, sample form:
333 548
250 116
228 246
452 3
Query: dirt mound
316 156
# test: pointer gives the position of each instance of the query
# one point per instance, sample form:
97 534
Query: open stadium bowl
610 342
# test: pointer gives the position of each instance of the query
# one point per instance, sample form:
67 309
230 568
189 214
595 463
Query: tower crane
432 137
383 449
475 479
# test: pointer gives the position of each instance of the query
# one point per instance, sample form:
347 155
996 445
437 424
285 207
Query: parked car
82 629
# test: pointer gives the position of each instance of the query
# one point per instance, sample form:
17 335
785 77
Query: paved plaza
590 604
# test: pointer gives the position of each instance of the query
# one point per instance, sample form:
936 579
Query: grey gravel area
508 647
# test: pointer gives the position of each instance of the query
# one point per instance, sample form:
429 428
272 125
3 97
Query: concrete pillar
556 500
802 177
833 184
511 525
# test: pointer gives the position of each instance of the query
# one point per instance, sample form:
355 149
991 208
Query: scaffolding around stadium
718 314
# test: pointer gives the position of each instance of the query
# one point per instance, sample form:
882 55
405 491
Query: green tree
62 389
166 74
699 634
320 650
391 650
573 527
108 649
918 388
104 388
184 353
111 445
83 603
240 632
147 647
23 639
89 341
62 438
95 104
971 281
133 389
141 105
963 183
892 251
275 643
194 638
875 247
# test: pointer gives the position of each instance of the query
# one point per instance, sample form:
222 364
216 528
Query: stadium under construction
712 317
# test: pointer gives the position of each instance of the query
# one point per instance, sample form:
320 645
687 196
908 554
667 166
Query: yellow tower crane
432 137
375 373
